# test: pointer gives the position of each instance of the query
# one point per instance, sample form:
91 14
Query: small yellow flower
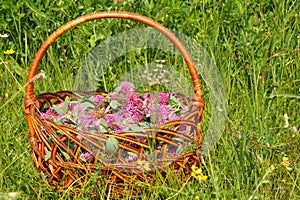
286 163
197 198
197 173
9 52
284 159
6 95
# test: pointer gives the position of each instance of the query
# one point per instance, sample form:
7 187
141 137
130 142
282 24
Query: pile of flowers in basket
123 110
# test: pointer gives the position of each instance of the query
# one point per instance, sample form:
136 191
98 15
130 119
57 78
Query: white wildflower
286 119
5 35
294 129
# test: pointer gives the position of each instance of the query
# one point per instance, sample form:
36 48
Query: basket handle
29 95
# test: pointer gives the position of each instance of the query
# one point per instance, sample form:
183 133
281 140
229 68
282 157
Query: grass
255 46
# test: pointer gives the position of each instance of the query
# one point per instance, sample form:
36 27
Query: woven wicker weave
62 173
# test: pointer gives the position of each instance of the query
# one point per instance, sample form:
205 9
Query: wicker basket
62 173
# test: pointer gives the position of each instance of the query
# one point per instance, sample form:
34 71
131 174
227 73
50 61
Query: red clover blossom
101 115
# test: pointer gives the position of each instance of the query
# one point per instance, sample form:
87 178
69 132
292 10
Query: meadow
255 46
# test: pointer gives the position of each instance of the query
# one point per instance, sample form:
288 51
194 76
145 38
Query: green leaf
145 124
112 145
58 109
179 150
170 116
59 122
118 89
114 104
174 99
92 129
65 154
102 127
87 104
66 104
136 128
48 156
131 154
